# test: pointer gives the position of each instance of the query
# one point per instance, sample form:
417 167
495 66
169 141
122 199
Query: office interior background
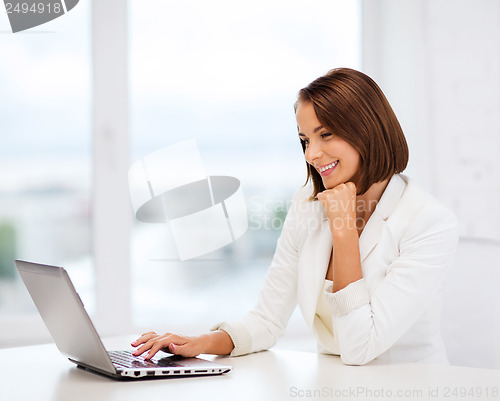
86 95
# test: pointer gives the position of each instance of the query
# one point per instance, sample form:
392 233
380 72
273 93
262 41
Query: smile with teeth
327 167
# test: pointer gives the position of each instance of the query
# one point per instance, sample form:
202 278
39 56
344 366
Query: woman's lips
327 169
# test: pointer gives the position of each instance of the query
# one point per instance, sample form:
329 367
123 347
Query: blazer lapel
390 198
324 254
370 235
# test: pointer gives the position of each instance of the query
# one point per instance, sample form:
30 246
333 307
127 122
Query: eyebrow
318 128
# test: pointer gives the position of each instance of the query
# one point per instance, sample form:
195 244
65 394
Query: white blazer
393 312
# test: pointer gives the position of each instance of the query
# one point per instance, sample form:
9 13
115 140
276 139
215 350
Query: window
225 74
44 159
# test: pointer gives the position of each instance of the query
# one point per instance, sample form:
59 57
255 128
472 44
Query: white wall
438 61
112 217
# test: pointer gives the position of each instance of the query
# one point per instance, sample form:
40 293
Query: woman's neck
366 203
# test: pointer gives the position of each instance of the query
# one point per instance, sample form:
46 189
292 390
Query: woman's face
333 158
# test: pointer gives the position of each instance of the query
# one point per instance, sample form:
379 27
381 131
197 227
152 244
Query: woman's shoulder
305 213
414 195
420 206
302 200
303 193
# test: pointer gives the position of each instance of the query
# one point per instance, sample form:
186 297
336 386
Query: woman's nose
313 152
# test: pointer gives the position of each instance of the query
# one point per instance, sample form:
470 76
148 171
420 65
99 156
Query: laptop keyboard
127 360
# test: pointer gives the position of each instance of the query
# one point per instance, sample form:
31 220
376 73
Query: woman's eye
326 135
304 141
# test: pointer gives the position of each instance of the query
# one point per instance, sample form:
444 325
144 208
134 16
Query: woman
363 251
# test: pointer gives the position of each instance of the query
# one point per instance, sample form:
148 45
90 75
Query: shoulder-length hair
353 107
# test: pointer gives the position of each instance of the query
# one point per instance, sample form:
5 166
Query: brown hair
353 107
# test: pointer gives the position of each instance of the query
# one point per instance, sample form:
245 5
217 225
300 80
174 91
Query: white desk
272 375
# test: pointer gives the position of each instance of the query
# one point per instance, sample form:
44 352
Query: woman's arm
367 324
258 329
339 204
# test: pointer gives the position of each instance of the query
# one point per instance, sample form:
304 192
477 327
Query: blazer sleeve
367 325
260 328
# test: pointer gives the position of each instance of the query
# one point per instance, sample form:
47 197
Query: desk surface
271 375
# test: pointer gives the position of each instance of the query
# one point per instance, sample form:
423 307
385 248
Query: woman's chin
329 184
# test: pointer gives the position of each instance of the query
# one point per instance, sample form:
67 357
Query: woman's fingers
339 204
147 340
189 349
143 338
153 343
148 337
163 342
175 344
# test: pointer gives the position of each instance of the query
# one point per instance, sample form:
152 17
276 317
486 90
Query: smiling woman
328 155
368 275
352 109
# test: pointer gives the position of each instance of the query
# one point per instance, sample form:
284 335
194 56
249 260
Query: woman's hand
216 342
339 204
340 208
169 342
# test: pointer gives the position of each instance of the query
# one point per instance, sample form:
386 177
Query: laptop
76 337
